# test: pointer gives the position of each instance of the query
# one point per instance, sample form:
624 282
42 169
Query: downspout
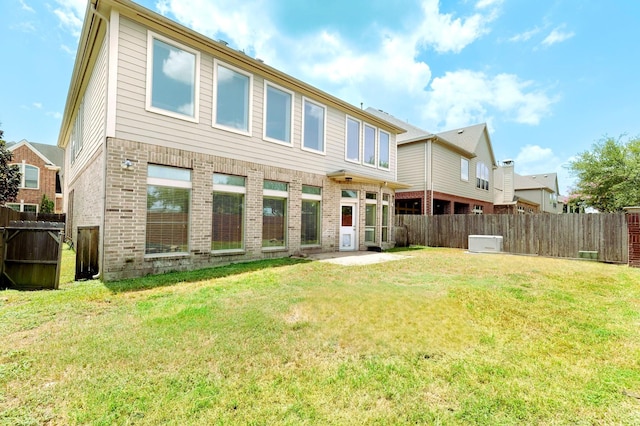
426 179
431 173
107 36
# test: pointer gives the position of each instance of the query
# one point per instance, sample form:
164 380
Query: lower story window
385 218
168 200
477 209
311 215
227 225
274 214
370 218
25 208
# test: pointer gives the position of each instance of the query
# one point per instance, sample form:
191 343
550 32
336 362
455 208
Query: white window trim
196 99
462 159
275 193
214 109
388 204
375 146
23 175
324 128
234 189
312 197
21 205
168 182
380 131
346 144
264 120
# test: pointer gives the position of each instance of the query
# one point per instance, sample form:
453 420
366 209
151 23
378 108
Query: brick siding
125 211
46 178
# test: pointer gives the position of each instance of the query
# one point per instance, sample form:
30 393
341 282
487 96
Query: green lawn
444 337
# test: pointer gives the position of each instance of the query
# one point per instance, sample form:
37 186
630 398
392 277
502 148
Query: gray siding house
448 173
185 153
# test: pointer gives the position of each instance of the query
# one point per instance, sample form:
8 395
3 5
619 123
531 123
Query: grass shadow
172 278
401 249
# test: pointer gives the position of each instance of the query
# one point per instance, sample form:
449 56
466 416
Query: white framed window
482 176
385 217
278 114
477 209
173 78
369 158
23 208
29 175
168 210
311 215
464 169
383 150
233 95
352 142
371 209
228 219
274 214
77 133
314 120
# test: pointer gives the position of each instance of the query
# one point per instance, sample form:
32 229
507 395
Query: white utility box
485 243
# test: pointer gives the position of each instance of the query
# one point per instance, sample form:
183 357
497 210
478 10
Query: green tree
9 175
608 176
46 205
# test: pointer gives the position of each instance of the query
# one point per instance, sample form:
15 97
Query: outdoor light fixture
126 164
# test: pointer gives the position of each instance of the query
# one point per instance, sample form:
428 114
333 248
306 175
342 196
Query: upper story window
172 78
369 146
77 133
383 150
313 123
29 176
233 92
464 169
277 110
352 144
482 176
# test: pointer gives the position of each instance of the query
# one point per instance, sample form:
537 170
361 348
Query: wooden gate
87 252
31 253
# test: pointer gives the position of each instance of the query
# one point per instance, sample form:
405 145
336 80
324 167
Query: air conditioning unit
485 243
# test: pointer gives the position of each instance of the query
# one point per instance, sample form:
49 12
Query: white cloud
483 4
525 35
446 34
37 105
70 14
26 7
54 114
557 36
536 160
179 66
464 97
26 27
68 49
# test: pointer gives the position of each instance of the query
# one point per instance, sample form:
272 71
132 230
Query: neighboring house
184 153
449 172
525 193
41 172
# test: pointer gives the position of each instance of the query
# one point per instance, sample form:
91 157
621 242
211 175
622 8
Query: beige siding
447 172
93 117
411 165
133 122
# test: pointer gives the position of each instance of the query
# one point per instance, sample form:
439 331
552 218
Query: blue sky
550 77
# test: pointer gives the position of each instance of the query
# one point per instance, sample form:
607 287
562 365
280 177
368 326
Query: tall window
370 217
369 145
274 214
311 215
385 217
172 78
482 176
313 125
29 176
77 133
233 98
464 169
278 108
227 224
168 200
26 208
383 151
352 145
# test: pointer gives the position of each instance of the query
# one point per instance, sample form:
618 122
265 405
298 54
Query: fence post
633 228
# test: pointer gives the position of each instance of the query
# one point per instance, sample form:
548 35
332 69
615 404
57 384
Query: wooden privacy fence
31 254
562 235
